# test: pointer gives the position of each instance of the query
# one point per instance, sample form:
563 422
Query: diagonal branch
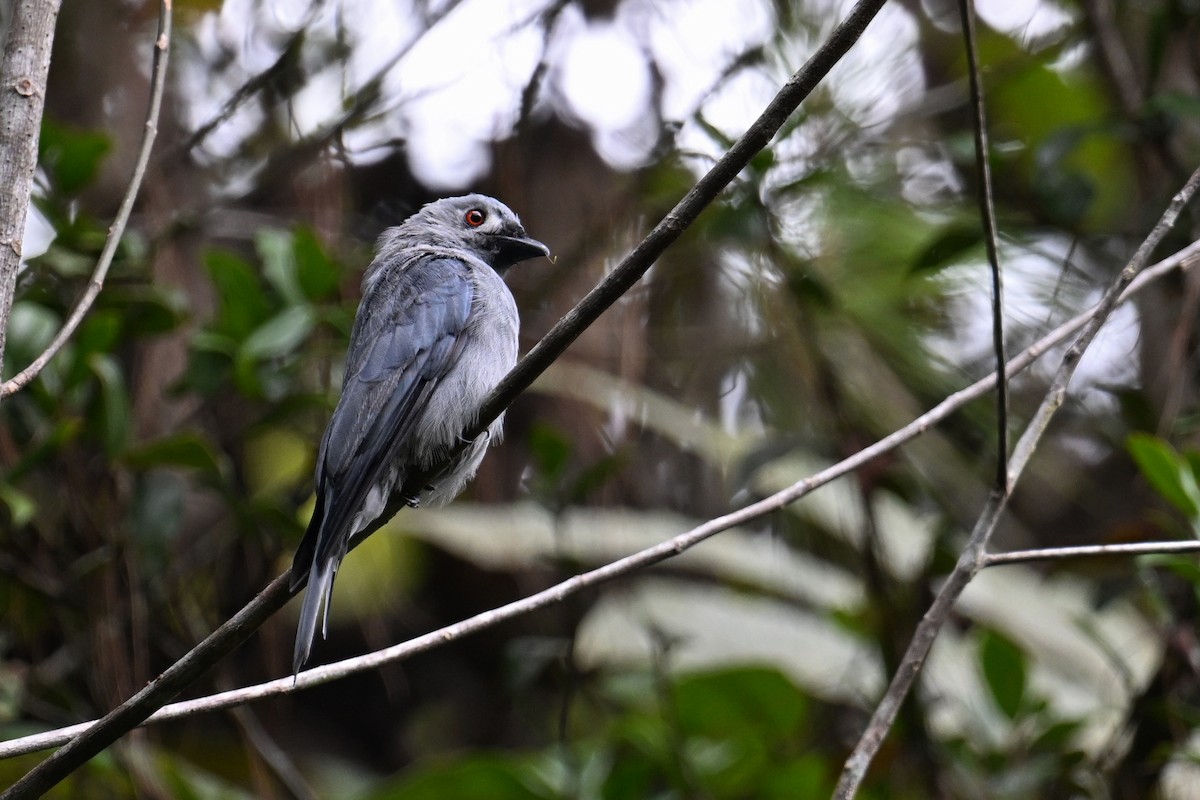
973 555
1184 259
162 43
162 689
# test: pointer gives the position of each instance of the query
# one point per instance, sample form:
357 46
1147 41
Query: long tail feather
318 595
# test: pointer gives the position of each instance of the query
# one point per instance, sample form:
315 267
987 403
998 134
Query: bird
435 331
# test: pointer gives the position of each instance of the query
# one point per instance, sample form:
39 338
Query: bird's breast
487 350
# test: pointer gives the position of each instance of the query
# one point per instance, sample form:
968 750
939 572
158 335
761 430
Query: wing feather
407 336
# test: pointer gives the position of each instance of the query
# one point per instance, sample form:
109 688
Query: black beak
513 249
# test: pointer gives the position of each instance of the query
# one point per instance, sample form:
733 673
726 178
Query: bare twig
23 71
159 691
162 44
1184 259
1088 551
971 560
987 213
362 98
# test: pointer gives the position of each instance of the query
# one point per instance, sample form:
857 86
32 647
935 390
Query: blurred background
159 472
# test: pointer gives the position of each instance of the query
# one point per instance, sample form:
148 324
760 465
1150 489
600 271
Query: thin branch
287 59
971 559
987 212
162 45
1184 259
1088 551
161 690
24 68
365 95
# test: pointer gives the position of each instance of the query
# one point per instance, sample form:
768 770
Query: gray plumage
435 332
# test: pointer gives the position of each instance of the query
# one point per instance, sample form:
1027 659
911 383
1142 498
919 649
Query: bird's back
435 332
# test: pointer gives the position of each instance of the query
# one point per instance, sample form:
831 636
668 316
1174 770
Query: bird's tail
316 598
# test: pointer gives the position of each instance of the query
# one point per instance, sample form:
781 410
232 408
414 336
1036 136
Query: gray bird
435 332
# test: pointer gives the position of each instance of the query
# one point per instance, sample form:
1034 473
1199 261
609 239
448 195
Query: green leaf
807 776
947 247
99 333
481 778
21 507
550 448
242 303
280 335
1004 670
740 702
66 261
275 460
1176 104
1057 736
70 156
317 274
183 450
1183 566
1169 473
114 403
279 264
31 326
146 310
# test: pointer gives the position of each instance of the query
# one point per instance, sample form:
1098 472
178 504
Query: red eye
474 217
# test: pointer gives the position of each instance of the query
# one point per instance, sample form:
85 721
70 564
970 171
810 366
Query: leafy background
158 473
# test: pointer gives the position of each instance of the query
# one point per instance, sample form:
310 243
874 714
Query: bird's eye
474 217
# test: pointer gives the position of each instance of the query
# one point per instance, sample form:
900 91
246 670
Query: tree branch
632 267
987 213
162 44
1184 259
1088 551
23 71
358 102
971 560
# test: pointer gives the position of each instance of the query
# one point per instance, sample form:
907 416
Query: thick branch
224 639
162 43
1184 259
973 555
23 71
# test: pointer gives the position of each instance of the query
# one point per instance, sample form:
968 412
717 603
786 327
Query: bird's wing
406 337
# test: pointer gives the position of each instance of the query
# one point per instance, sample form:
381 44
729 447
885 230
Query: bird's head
482 224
